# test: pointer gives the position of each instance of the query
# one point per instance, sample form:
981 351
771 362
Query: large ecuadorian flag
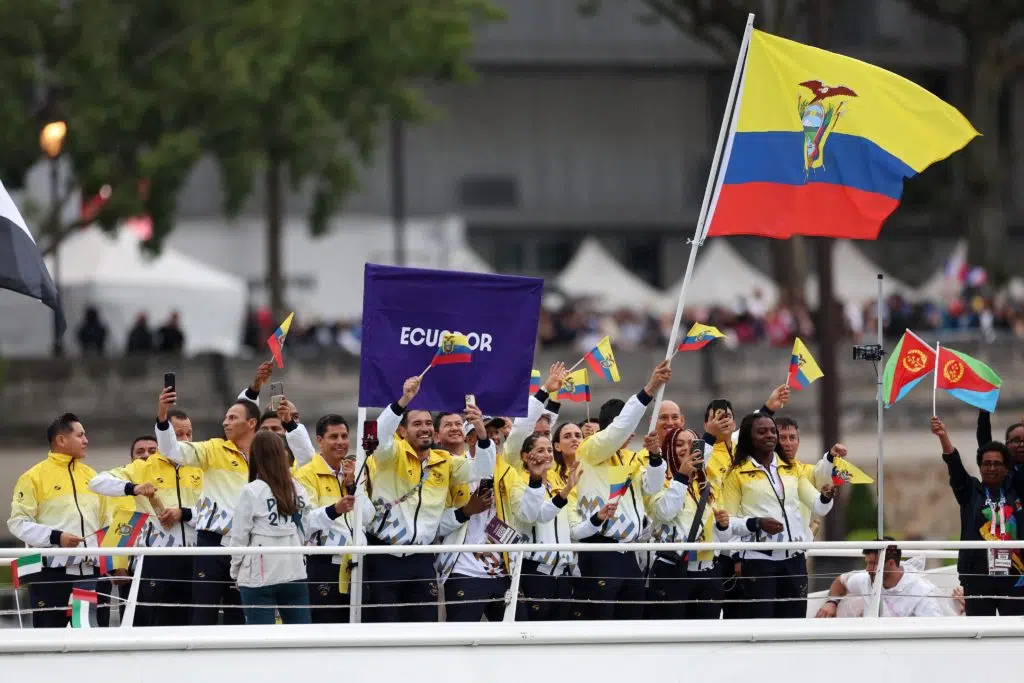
823 143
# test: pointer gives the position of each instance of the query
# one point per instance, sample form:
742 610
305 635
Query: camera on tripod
869 352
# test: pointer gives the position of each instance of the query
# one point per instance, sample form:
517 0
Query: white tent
112 275
940 285
855 277
722 278
596 274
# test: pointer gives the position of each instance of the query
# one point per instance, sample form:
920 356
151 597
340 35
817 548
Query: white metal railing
934 549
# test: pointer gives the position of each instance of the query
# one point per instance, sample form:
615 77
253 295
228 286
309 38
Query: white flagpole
935 379
881 418
355 582
711 192
17 606
133 594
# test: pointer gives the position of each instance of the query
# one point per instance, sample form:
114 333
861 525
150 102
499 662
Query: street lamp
51 141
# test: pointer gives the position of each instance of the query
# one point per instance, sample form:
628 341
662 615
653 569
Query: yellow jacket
324 487
225 471
176 487
54 496
541 519
607 463
749 493
409 496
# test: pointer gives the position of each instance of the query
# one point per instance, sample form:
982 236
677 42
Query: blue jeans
291 600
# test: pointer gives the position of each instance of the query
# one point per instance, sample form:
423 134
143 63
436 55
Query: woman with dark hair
990 510
272 511
763 491
545 508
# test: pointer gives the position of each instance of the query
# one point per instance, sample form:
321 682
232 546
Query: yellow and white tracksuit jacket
749 494
409 496
605 463
176 487
676 528
819 474
522 427
544 517
454 526
51 497
324 486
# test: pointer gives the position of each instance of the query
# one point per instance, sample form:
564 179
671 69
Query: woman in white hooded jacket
272 511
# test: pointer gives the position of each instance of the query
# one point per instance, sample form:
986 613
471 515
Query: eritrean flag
967 379
276 340
601 360
21 263
698 337
454 348
911 361
575 387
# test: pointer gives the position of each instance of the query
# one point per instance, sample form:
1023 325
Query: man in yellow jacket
53 507
409 481
168 493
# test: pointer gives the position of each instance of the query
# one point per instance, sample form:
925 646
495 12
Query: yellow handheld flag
699 336
803 369
845 472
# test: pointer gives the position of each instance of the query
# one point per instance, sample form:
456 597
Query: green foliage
305 86
861 510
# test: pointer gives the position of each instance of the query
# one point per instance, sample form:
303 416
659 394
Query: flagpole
133 595
935 379
355 579
17 606
711 191
879 380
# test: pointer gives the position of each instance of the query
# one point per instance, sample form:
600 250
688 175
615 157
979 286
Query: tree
300 90
719 24
118 73
993 56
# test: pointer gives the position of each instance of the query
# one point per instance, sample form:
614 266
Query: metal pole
881 422
355 583
58 340
398 210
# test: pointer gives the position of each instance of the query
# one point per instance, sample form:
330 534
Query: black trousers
543 597
392 581
213 586
733 603
775 589
50 590
677 593
1008 600
612 586
327 604
468 598
166 584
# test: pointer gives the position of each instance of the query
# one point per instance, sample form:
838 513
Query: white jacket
257 523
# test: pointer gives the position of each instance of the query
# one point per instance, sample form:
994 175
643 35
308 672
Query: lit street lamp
51 141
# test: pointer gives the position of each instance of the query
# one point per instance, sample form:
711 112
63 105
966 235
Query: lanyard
998 526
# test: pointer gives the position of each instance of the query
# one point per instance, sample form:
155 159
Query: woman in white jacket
272 511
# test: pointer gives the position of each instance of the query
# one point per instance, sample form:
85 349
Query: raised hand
659 377
263 373
838 451
778 398
653 444
168 398
572 478
538 466
556 375
608 511
410 388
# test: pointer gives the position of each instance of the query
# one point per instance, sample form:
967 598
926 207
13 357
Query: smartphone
276 394
370 429
470 400
485 485
169 381
719 405
698 447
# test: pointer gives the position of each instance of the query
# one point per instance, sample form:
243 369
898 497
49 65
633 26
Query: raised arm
252 392
522 427
599 447
666 501
480 466
959 480
390 418
298 441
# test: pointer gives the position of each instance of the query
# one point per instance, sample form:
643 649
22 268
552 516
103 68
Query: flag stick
17 607
935 379
578 363
881 419
711 192
425 371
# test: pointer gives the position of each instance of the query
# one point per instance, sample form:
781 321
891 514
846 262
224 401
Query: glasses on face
1015 441
992 464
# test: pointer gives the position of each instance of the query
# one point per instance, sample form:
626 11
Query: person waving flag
699 336
803 369
575 387
454 348
967 379
276 340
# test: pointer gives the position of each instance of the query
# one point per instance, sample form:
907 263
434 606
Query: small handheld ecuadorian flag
453 348
124 529
105 562
698 337
618 490
803 370
844 472
575 387
276 340
534 382
601 360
